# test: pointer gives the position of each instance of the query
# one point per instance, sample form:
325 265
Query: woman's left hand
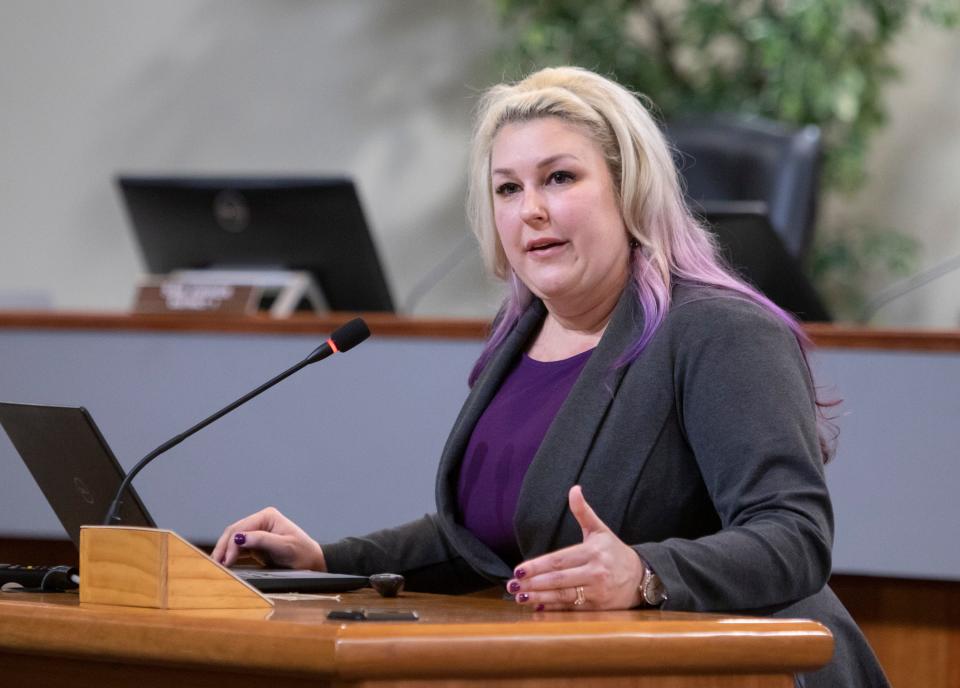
602 572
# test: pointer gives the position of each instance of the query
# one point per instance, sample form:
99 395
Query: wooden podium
158 637
150 567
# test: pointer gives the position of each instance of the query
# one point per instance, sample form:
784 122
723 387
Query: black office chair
760 163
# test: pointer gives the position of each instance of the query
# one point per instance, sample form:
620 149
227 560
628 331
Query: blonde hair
669 244
636 153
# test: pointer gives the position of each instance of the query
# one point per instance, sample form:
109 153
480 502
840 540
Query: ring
580 598
240 539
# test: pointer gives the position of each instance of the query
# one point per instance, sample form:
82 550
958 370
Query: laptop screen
72 463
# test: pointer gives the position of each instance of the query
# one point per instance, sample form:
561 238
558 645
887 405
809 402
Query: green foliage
852 262
823 62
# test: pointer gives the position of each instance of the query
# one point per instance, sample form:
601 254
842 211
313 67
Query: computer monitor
756 252
313 224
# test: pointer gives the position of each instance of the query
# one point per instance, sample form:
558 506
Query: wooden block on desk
148 567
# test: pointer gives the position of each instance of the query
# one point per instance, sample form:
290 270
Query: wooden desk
50 640
897 446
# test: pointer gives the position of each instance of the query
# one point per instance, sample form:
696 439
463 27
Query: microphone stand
343 339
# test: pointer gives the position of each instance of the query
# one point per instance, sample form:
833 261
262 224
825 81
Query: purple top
503 445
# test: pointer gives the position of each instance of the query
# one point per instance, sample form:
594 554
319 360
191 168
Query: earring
634 243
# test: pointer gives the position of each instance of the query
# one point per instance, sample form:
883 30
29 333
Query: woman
642 426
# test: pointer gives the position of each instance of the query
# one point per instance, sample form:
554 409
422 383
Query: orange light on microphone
333 346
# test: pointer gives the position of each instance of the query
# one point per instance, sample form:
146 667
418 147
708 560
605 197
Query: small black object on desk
40 578
387 584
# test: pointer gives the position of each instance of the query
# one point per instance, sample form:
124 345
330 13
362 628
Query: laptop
79 475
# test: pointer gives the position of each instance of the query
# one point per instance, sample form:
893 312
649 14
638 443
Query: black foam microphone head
351 334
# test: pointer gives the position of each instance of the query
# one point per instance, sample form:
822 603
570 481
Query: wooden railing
824 335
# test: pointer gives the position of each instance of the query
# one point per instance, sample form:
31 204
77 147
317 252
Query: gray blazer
702 454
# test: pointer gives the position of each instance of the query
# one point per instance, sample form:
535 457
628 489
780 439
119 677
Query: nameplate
171 296
280 293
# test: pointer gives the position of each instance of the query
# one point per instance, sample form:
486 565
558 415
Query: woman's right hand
271 538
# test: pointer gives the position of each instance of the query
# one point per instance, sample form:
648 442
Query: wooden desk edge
830 336
386 324
563 649
547 647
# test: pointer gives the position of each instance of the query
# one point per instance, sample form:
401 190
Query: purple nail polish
523 597
519 573
514 586
539 608
240 539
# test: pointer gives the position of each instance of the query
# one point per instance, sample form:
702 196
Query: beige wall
378 89
914 166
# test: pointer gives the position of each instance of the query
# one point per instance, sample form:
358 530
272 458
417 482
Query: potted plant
823 62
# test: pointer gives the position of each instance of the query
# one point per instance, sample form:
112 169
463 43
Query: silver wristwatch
651 588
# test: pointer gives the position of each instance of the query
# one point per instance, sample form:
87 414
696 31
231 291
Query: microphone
343 339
